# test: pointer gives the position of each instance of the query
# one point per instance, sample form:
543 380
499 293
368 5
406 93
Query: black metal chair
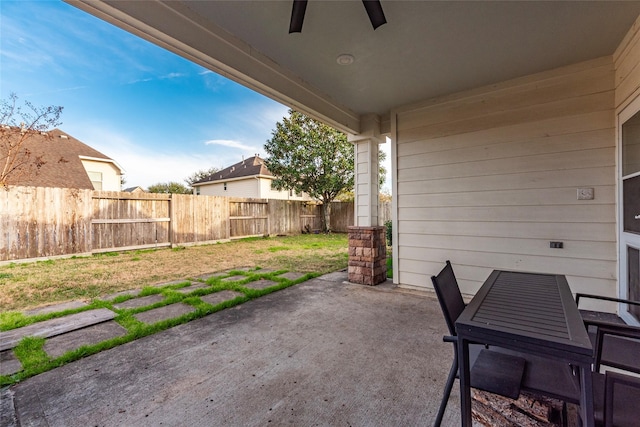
616 394
540 376
622 394
615 349
599 316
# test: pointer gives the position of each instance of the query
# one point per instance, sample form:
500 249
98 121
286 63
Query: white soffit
427 48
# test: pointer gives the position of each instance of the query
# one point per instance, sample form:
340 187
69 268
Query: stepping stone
52 327
234 278
261 284
140 302
111 297
218 297
240 269
164 313
60 344
192 287
292 275
56 307
174 282
9 364
210 275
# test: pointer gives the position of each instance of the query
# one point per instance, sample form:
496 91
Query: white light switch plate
585 193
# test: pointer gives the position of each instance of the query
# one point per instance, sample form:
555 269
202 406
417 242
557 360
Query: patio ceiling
427 49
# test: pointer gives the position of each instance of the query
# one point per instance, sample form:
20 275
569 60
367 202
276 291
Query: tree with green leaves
18 124
200 175
308 156
169 188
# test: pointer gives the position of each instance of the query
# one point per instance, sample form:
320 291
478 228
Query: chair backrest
449 296
618 346
622 394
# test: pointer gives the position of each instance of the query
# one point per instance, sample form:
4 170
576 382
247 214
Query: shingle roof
59 152
132 189
252 166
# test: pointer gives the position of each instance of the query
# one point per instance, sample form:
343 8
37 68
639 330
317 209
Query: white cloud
145 166
231 144
132 82
172 76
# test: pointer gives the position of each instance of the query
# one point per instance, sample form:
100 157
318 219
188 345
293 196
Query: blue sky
158 115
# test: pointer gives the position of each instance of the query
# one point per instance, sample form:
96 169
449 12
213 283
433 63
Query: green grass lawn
29 285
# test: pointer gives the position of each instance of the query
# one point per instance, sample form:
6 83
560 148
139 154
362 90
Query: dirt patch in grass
29 285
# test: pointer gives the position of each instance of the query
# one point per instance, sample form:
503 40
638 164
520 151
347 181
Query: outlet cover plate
585 193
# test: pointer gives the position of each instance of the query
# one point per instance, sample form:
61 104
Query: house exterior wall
110 174
269 193
235 188
252 187
489 177
627 65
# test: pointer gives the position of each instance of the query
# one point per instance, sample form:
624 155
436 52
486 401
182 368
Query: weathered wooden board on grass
60 325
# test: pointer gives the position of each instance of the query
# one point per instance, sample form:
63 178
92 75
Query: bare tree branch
17 125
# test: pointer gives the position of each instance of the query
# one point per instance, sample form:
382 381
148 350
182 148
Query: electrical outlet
556 245
585 193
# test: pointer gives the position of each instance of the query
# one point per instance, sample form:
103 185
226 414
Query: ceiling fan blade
374 10
297 16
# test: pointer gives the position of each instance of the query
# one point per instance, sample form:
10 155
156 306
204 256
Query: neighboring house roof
60 155
136 189
253 166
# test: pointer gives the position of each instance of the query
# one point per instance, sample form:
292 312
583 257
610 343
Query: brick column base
367 255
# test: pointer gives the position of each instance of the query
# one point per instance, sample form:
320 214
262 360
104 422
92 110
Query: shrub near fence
38 222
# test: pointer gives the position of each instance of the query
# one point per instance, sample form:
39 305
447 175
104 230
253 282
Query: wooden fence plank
41 222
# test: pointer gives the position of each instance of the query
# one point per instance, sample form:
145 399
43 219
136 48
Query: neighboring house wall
487 178
268 192
235 188
103 175
248 178
252 187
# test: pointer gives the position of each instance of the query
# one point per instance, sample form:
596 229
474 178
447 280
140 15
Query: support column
367 255
366 182
367 246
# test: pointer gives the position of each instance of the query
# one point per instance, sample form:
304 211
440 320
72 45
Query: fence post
171 221
268 227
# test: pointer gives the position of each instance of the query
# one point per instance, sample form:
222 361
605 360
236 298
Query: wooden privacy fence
40 222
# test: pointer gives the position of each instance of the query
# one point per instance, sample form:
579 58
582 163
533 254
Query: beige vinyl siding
627 64
269 193
364 189
250 187
246 188
489 177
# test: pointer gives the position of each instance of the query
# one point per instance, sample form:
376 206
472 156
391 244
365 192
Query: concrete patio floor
321 353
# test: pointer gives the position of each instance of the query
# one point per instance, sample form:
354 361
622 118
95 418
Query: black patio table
532 313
